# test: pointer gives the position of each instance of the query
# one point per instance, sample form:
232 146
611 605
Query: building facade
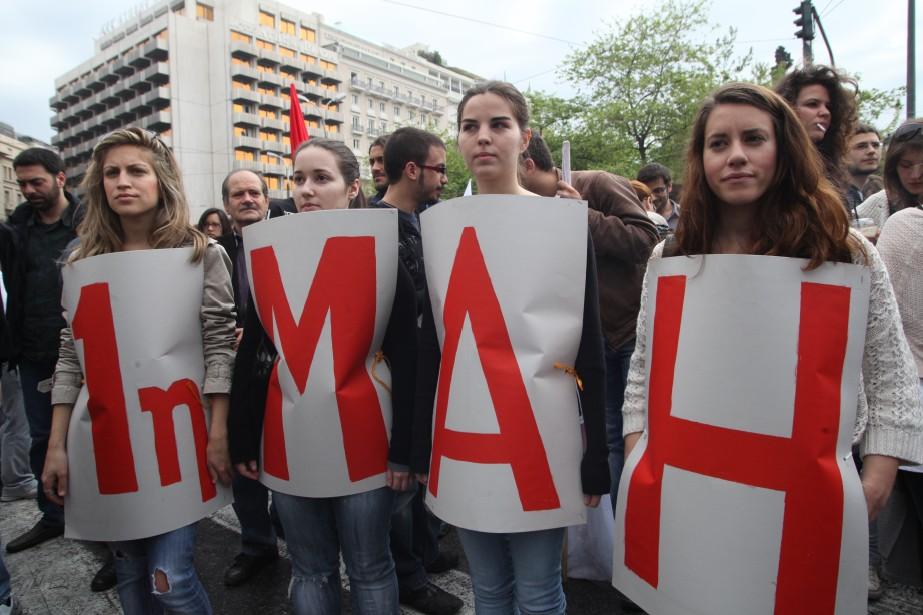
212 77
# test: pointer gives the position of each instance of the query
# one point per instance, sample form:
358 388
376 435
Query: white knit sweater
889 418
901 249
875 207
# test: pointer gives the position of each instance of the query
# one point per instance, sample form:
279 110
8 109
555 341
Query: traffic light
805 21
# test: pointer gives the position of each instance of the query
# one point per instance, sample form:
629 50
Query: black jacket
34 336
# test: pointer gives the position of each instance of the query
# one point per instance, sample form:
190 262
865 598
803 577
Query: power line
833 8
481 21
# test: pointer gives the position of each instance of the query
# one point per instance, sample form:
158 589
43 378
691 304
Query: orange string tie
570 371
380 358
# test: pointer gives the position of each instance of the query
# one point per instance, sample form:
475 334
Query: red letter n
161 404
519 444
93 323
804 466
344 287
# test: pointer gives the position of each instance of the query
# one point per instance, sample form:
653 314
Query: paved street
55 577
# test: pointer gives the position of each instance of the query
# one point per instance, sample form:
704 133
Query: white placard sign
506 277
741 495
139 428
323 283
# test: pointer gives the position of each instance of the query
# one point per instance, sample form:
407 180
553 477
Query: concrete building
11 144
211 77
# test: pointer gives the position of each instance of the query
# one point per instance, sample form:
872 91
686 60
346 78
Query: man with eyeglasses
862 159
658 179
414 163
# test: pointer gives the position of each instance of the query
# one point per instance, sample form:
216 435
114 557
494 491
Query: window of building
397 111
240 36
332 128
204 12
307 34
266 91
267 19
285 51
381 107
239 108
356 99
327 65
162 35
355 121
371 124
286 26
242 154
308 59
240 131
384 126
268 136
240 85
396 90
264 44
371 104
355 143
272 181
239 62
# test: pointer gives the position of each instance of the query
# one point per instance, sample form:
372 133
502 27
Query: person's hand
398 481
422 478
591 501
219 461
566 191
54 475
238 333
250 470
878 474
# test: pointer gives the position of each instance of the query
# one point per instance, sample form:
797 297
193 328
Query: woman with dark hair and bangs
824 100
755 186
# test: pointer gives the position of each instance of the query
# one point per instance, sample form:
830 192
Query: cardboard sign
741 496
138 431
506 277
323 283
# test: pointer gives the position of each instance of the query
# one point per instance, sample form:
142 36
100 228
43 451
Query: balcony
356 84
156 50
248 143
159 121
318 132
249 165
275 102
275 169
273 124
245 119
157 97
244 51
244 73
242 95
274 146
269 56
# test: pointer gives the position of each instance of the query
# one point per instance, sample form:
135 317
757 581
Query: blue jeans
251 505
139 562
411 575
15 469
38 412
315 531
617 362
516 573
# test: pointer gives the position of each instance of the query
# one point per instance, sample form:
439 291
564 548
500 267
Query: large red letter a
344 286
519 444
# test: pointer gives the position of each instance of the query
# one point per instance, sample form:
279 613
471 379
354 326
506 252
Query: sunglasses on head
907 132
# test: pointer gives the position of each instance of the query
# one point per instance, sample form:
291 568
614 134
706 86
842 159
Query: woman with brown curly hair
825 102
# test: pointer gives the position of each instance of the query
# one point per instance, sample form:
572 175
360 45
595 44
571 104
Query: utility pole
805 23
911 60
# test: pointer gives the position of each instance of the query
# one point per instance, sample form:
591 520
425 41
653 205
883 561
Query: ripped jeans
315 531
157 575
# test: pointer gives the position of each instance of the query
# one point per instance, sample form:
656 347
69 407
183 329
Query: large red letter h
803 466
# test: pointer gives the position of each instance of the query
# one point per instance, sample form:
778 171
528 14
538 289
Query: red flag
298 132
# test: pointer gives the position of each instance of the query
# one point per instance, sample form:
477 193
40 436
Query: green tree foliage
881 108
640 82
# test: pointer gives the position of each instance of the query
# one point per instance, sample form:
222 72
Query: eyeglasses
441 169
906 132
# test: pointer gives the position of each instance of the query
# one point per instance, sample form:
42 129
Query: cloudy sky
520 41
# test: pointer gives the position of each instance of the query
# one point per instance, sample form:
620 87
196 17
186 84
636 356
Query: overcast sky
42 39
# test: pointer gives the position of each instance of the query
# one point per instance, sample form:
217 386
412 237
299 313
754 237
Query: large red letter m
344 287
803 466
519 444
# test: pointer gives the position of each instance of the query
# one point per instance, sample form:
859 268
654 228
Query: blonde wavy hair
101 230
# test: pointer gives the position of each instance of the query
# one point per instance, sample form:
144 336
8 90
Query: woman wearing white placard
754 185
518 571
135 201
319 529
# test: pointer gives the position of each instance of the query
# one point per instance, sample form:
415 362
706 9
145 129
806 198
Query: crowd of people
784 173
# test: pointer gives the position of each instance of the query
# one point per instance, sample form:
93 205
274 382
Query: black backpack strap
670 246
